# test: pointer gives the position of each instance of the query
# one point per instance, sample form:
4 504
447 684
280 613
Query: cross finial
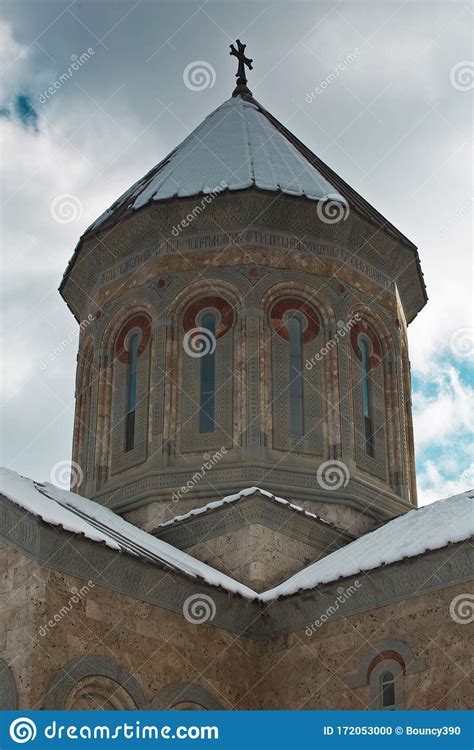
239 53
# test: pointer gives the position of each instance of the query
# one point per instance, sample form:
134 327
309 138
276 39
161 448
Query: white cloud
446 410
433 485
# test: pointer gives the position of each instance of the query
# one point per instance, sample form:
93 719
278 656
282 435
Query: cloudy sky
394 121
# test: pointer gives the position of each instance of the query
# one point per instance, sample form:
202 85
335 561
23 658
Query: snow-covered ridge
234 148
429 528
248 492
100 524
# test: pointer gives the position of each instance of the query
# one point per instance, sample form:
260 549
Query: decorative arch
123 432
172 696
205 361
8 694
374 393
95 680
140 322
297 386
387 656
85 412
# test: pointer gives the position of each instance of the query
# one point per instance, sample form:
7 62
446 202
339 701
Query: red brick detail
138 321
216 303
293 303
253 272
361 327
383 656
160 283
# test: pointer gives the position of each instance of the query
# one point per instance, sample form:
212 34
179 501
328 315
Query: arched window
208 376
131 387
131 391
368 380
387 690
365 351
296 323
386 678
295 361
383 669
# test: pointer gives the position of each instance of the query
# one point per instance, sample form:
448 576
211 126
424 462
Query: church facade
242 530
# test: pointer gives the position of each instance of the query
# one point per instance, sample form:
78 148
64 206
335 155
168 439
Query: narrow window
364 345
295 356
387 685
208 377
132 392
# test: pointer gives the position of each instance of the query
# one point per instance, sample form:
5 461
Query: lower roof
429 528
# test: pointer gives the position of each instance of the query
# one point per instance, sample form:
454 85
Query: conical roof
241 146
236 147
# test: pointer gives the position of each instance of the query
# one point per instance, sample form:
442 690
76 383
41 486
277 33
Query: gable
256 539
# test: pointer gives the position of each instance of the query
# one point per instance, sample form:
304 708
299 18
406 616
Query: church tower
249 313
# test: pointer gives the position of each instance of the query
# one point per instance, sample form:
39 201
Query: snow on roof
429 528
100 524
432 527
234 148
239 496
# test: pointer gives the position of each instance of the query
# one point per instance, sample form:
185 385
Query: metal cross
243 61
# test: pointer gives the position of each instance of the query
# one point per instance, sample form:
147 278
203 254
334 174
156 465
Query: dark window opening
366 397
295 359
208 377
388 690
132 393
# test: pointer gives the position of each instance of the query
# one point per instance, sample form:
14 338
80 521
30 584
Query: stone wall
133 653
318 668
256 555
